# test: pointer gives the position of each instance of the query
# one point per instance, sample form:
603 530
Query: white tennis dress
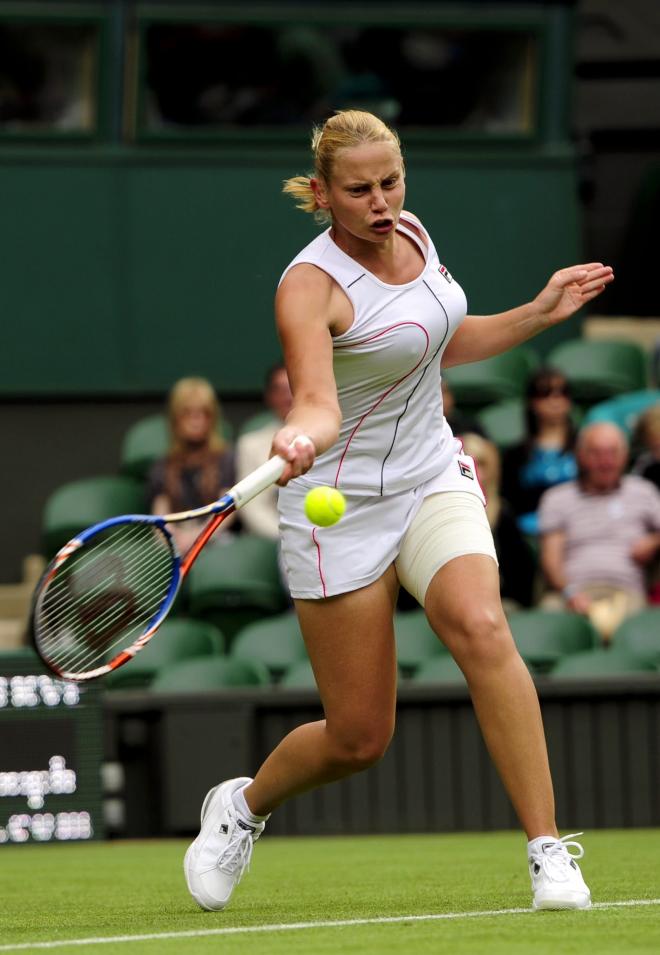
393 438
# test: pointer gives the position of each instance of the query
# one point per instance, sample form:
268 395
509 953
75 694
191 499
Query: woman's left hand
569 289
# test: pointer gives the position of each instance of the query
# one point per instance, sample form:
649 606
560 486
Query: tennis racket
106 592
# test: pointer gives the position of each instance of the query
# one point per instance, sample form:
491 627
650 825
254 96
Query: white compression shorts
418 530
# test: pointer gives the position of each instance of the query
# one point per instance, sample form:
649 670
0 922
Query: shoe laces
555 858
235 857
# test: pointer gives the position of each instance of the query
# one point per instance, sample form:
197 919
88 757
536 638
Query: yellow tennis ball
324 506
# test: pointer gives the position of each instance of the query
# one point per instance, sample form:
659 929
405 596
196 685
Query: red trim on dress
389 390
318 551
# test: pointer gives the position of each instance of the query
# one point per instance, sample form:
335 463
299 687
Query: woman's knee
480 635
360 745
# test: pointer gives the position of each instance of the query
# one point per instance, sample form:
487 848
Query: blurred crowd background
143 148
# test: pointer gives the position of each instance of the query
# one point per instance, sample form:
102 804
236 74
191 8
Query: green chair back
415 641
176 639
299 676
504 422
495 379
598 662
440 669
208 673
148 440
544 637
639 636
276 642
235 583
598 369
623 410
74 506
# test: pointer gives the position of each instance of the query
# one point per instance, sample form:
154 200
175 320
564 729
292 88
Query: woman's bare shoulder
304 276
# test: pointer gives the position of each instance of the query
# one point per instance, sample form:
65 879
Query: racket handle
257 481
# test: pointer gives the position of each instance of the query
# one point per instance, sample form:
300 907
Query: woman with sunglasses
545 457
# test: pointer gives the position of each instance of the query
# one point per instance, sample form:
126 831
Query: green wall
125 269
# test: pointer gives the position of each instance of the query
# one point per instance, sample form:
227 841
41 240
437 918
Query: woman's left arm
482 336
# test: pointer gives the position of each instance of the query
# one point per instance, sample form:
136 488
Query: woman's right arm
303 312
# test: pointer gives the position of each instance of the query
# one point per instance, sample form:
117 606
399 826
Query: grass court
452 893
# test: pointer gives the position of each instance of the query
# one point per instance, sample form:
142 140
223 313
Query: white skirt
420 530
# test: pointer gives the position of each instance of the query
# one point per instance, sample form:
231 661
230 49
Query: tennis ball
324 506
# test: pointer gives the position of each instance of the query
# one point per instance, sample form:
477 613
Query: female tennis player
367 315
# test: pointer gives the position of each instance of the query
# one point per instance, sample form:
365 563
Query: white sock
535 845
244 810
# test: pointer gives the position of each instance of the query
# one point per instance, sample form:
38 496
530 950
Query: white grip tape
263 477
257 481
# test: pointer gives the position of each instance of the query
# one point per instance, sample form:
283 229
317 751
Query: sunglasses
554 391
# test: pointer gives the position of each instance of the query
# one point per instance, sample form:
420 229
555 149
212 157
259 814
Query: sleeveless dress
393 437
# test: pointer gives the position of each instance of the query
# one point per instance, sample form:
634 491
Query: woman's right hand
297 450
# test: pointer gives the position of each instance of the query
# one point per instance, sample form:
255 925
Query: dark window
205 75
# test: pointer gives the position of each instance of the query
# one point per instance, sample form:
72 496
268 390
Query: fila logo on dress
465 470
444 271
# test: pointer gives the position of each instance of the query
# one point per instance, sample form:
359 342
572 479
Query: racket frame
236 497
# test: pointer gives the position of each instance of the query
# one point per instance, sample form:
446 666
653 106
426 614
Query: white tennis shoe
221 853
557 882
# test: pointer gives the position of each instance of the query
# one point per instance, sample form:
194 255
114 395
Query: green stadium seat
257 421
639 636
495 379
504 422
623 410
177 639
544 637
148 440
440 669
415 641
74 506
299 676
236 583
597 663
276 642
597 369
208 673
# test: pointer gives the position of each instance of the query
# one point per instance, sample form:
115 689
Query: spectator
600 533
545 457
260 516
199 466
516 561
647 441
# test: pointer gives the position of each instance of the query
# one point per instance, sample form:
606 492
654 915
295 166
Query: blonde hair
347 128
486 452
648 427
200 392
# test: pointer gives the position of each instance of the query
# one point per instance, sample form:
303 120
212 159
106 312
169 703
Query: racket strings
70 591
98 621
103 625
62 601
104 596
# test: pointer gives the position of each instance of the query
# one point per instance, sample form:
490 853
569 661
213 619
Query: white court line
297 926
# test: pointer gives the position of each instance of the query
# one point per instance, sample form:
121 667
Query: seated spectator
516 560
646 440
199 466
459 421
600 533
260 516
545 457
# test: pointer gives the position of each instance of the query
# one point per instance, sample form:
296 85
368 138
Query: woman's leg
464 608
350 641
